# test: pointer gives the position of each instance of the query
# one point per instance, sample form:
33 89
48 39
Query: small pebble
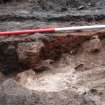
80 7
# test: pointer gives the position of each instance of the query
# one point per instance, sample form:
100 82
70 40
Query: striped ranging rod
50 30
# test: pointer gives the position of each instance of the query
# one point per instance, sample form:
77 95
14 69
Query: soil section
52 69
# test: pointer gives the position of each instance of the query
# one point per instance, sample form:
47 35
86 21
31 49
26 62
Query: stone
2 76
8 59
81 7
25 77
13 93
29 54
94 45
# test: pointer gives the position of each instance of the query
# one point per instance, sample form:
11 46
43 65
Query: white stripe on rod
74 28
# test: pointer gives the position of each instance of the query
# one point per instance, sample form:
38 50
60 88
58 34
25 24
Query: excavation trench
52 63
52 69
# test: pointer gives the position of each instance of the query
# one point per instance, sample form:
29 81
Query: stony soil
52 69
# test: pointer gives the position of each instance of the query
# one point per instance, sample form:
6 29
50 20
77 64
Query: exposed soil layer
52 69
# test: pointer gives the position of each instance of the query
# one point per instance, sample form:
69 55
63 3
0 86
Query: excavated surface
53 69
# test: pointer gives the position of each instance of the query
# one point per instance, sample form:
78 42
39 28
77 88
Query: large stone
8 58
93 45
29 54
25 77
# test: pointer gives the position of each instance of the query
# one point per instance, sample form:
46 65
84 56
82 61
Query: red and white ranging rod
52 30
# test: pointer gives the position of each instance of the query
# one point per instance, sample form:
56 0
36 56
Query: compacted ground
52 69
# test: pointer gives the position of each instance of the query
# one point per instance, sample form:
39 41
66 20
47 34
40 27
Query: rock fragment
2 77
29 54
8 59
94 45
81 7
25 77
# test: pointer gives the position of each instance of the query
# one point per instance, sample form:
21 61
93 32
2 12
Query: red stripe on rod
11 33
